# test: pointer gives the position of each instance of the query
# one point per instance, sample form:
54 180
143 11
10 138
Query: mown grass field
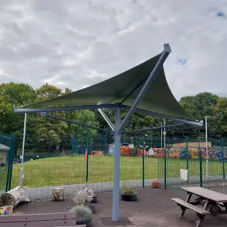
65 170
3 178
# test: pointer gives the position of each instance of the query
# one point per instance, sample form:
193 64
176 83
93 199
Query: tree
17 94
198 107
220 116
85 117
55 131
46 132
14 94
6 112
47 91
49 133
136 121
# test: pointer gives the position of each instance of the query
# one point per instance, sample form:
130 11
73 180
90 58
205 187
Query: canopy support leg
116 183
108 121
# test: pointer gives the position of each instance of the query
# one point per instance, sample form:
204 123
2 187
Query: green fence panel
87 158
7 148
223 157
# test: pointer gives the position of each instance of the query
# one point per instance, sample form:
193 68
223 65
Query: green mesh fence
187 165
66 163
6 161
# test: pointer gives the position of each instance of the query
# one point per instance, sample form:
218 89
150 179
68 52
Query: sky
77 43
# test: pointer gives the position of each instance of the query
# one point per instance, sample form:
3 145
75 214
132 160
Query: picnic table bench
39 220
205 197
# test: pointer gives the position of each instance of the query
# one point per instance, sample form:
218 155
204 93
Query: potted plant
83 215
85 197
128 194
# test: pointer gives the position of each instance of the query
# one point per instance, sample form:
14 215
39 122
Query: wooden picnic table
207 198
211 199
206 194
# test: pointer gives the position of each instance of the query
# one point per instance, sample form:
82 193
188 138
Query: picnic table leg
211 207
200 221
189 195
225 205
220 207
213 204
206 204
183 211
201 217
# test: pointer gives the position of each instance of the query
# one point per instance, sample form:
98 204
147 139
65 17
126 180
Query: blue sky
75 44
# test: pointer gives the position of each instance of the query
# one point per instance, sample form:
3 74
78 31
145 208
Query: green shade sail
126 86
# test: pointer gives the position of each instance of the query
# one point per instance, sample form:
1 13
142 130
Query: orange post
85 156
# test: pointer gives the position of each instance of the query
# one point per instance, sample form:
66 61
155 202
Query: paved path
154 208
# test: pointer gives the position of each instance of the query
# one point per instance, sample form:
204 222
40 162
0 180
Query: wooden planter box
156 184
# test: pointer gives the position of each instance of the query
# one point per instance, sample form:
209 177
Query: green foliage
17 94
82 213
49 133
220 115
86 117
47 92
14 94
136 121
200 105
127 190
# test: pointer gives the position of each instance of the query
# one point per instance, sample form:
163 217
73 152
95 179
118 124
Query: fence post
143 162
187 161
223 158
10 162
87 161
8 169
200 167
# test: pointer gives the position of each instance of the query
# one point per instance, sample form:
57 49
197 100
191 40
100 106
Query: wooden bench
201 213
39 220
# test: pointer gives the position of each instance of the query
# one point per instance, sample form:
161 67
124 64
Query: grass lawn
65 170
3 178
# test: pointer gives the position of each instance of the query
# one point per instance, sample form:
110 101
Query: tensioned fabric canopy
143 88
126 86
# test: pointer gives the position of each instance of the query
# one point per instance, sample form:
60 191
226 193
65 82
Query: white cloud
78 43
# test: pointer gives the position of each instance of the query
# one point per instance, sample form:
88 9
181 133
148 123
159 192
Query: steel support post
22 154
116 183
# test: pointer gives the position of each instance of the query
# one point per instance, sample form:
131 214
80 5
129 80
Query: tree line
48 132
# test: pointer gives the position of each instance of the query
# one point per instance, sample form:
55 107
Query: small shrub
82 213
83 197
127 190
